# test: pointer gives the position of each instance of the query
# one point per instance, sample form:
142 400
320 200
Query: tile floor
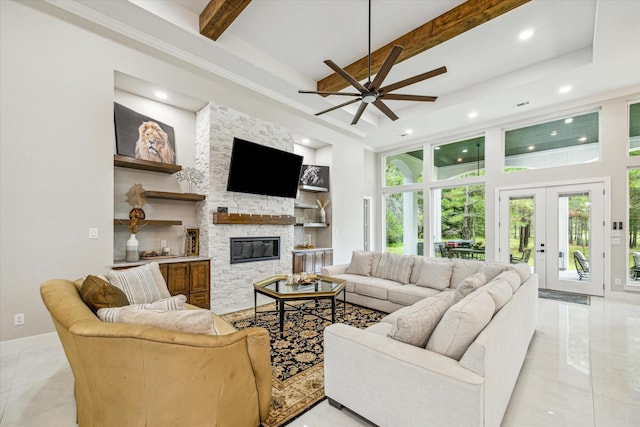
582 369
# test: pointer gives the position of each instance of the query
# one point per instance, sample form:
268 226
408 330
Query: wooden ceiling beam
458 20
218 15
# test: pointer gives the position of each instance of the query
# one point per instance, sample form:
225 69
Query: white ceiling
278 46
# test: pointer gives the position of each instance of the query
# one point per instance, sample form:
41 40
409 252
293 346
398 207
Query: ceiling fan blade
361 109
353 82
399 97
386 67
338 106
386 110
320 92
412 80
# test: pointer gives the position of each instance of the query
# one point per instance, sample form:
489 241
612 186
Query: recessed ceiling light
531 147
565 89
472 115
408 131
569 120
465 151
436 148
305 140
582 139
459 159
526 34
554 133
161 95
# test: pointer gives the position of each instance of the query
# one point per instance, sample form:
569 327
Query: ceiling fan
372 92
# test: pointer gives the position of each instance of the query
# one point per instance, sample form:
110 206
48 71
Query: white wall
56 142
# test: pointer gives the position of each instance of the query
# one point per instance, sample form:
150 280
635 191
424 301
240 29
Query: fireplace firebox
252 249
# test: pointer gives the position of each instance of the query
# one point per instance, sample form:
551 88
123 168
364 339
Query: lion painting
153 144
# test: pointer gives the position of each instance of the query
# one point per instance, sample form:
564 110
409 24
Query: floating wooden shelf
305 205
148 222
166 195
227 218
312 188
131 163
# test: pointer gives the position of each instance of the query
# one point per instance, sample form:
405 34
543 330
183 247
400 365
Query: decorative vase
323 216
132 249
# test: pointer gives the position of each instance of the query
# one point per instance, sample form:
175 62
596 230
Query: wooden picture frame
192 242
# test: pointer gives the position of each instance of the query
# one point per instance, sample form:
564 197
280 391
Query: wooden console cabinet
311 260
190 278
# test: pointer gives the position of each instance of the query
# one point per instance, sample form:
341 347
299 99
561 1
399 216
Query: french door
559 232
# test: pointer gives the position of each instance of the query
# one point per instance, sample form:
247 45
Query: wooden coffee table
315 288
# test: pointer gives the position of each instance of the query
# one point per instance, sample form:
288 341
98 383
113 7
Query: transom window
566 141
459 159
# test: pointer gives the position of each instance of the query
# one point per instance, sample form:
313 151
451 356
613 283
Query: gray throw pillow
416 324
395 267
469 285
360 263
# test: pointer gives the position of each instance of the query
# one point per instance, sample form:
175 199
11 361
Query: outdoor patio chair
524 258
634 271
582 264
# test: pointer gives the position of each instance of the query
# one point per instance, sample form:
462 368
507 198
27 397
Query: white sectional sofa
447 355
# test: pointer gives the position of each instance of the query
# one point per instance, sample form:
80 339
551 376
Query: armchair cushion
98 293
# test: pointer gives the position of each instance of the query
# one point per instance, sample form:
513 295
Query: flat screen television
257 169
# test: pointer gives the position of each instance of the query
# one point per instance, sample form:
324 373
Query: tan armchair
135 375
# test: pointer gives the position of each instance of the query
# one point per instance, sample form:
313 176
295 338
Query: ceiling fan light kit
372 92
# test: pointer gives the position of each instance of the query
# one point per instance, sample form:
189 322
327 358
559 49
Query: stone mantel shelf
229 218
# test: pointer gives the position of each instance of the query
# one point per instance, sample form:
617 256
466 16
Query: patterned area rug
564 296
297 357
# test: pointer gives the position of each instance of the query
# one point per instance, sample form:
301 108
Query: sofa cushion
462 269
500 291
523 270
190 321
430 274
469 285
374 287
139 284
395 267
98 293
360 263
416 325
512 278
492 270
409 294
415 272
461 324
380 328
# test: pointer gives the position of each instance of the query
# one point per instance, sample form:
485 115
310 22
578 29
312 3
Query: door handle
541 250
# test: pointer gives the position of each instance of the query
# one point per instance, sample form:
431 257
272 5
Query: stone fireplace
232 282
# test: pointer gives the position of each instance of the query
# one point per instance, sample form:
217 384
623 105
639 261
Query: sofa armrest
399 384
332 270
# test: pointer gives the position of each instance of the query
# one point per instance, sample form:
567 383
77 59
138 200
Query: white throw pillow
416 325
190 321
395 267
500 291
138 284
461 324
462 269
436 275
469 285
111 314
512 278
360 263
